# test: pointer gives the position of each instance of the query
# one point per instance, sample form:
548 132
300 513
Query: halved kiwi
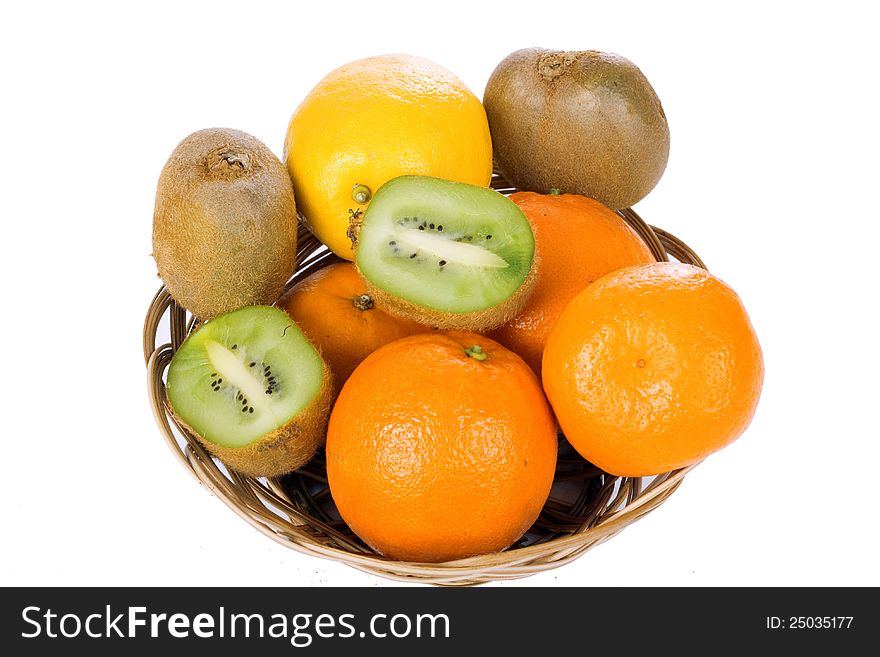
253 389
446 254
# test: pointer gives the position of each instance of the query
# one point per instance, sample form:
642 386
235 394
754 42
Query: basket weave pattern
585 508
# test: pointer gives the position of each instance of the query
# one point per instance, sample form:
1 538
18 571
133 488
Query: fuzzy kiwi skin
480 320
583 122
283 450
224 223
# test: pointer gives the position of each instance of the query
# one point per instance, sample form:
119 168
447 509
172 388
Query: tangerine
337 315
441 446
653 368
577 240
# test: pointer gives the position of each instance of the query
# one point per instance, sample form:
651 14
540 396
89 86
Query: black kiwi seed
439 228
235 346
442 262
431 226
421 228
392 243
413 255
488 237
252 364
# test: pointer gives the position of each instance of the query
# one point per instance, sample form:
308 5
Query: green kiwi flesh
224 223
446 254
583 122
253 390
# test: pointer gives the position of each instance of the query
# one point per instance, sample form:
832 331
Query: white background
772 177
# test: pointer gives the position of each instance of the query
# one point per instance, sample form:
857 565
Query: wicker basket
585 508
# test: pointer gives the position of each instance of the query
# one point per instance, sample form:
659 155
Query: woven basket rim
270 508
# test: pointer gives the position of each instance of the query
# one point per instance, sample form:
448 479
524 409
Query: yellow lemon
375 119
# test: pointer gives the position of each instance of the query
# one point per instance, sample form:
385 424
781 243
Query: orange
441 446
577 241
375 119
653 368
335 312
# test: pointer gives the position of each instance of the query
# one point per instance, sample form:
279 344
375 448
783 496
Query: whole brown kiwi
224 223
583 122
